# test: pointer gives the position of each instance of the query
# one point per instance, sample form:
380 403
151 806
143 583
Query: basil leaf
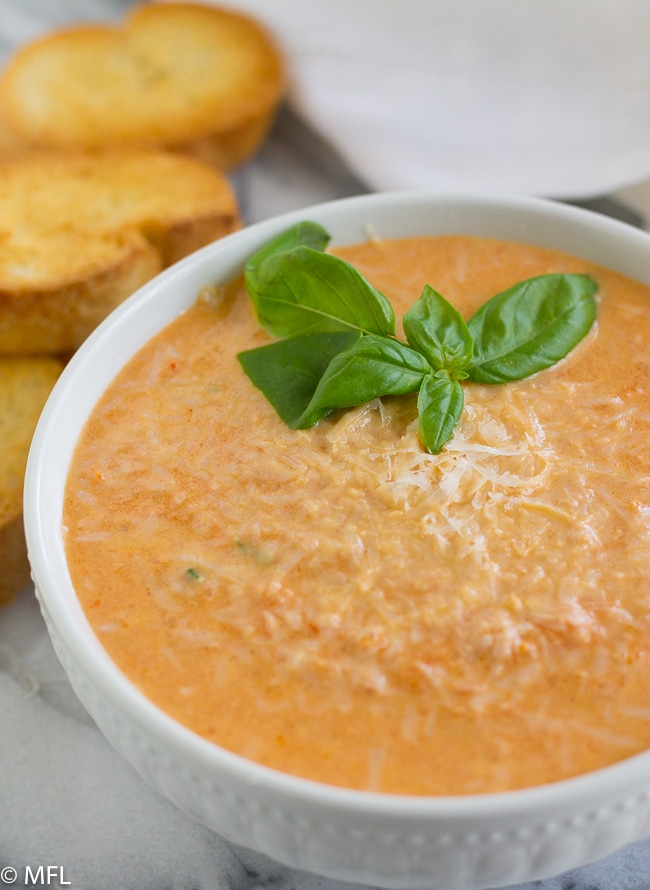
309 234
341 349
368 369
434 327
530 326
288 372
440 404
304 291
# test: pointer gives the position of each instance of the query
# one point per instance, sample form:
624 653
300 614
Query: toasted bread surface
80 233
24 387
174 75
11 145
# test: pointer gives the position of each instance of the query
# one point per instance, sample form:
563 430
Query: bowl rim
45 479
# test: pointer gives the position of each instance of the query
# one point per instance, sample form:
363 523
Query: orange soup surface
339 604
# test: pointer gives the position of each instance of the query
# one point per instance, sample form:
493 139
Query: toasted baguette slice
79 234
178 75
24 387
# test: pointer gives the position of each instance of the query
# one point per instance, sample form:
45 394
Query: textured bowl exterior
462 843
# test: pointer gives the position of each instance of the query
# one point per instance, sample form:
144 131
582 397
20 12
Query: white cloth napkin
547 98
409 94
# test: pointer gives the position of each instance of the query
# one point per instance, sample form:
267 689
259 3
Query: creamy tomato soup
339 604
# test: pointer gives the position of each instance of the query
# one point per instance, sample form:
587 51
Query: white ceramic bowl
388 841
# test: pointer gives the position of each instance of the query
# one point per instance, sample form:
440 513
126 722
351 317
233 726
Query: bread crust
80 233
177 75
13 557
56 318
25 385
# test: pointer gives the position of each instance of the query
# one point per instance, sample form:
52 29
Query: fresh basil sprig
339 347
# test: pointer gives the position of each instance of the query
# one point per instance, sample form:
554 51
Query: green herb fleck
339 349
254 553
